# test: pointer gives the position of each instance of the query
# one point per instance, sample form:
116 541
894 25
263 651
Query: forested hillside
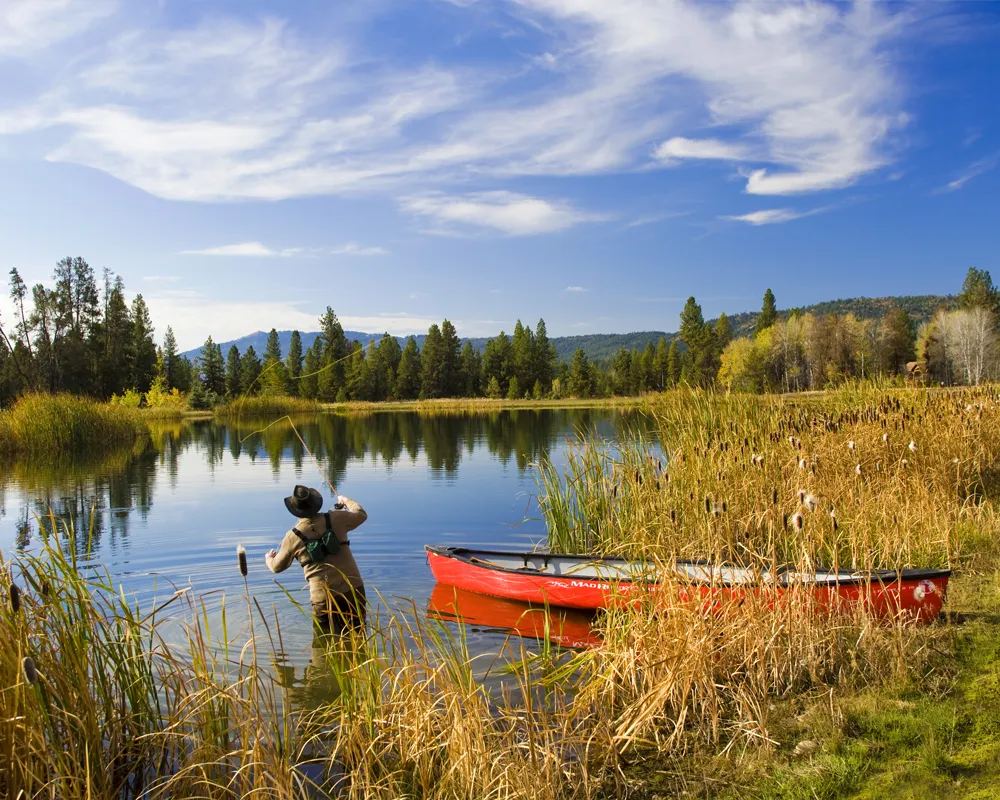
920 308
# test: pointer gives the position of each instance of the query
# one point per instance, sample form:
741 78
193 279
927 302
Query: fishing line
245 395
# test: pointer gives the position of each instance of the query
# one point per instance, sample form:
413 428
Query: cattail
28 667
885 438
913 446
904 463
673 516
802 464
774 497
614 491
15 598
784 520
241 554
810 502
857 470
802 495
715 509
45 589
708 505
797 521
850 445
724 507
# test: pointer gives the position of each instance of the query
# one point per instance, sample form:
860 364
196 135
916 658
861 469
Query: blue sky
244 164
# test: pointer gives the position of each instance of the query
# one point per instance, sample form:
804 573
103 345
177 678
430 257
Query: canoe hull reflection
562 626
589 582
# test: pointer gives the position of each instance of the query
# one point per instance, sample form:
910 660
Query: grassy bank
756 701
53 425
264 407
479 405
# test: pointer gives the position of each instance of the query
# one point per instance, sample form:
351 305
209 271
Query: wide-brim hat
304 502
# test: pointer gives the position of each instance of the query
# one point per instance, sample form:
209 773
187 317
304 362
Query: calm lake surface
172 515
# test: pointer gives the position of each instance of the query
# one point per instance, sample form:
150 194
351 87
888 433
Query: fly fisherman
319 543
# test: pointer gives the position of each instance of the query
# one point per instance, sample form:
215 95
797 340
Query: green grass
51 426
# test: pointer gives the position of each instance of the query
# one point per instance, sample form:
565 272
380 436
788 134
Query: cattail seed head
802 495
774 497
809 501
673 516
802 464
15 598
708 505
913 446
850 445
797 520
29 670
784 520
904 463
857 469
241 555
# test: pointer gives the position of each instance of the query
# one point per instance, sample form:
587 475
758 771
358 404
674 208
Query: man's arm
349 517
281 559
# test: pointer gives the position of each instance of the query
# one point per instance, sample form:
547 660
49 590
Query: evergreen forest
83 337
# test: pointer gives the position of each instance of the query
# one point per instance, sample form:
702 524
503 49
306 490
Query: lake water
173 514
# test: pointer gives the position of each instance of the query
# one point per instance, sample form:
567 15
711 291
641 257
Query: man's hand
269 556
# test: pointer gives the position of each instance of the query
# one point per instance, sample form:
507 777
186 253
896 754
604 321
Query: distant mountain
596 345
600 346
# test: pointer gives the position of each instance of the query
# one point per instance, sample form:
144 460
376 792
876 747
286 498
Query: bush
131 399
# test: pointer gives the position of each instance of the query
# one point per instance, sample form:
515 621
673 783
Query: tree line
81 336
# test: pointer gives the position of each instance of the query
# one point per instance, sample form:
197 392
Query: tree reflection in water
105 492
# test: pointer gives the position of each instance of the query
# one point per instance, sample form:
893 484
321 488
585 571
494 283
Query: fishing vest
318 550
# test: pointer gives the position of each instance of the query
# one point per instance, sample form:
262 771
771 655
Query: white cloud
30 25
229 109
354 249
974 170
681 148
574 289
772 216
506 212
254 249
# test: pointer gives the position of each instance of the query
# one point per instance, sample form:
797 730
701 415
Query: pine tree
471 370
523 347
170 359
580 376
723 332
673 364
185 373
250 368
212 368
293 364
621 373
513 390
143 346
274 377
452 384
233 373
661 370
432 358
498 360
545 357
386 366
768 313
898 337
335 352
647 368
493 388
408 376
978 291
308 383
117 353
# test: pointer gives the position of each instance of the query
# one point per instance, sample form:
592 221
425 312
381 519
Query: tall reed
264 407
59 424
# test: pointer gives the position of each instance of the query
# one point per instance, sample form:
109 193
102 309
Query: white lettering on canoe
622 587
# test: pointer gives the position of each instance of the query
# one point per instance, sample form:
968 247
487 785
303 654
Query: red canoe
563 626
589 582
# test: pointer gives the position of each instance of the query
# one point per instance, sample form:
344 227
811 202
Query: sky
246 163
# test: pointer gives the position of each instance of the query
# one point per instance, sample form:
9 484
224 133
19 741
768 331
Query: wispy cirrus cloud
974 170
575 289
261 250
772 216
249 249
30 25
804 98
504 212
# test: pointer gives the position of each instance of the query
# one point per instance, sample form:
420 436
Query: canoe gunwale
469 555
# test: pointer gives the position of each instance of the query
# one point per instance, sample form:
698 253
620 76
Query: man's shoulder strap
329 527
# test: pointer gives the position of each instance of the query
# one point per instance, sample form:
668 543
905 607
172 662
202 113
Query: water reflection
170 513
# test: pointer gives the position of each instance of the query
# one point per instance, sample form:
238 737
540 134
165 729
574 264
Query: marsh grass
264 407
119 710
61 424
